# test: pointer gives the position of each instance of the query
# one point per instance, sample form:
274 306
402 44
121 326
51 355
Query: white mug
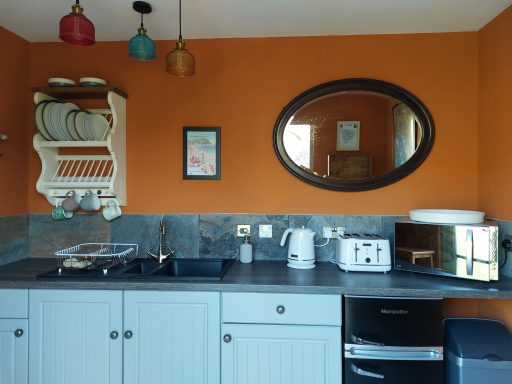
90 202
111 211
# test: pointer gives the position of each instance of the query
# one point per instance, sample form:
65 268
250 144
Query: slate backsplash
190 235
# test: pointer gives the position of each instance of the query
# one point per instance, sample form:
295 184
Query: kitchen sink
144 269
137 268
181 269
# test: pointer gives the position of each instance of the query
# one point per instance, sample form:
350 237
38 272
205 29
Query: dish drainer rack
104 175
95 256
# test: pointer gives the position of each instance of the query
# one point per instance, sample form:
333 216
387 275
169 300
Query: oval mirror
353 134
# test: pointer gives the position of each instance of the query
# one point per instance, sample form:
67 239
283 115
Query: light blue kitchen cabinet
75 337
13 351
171 337
280 354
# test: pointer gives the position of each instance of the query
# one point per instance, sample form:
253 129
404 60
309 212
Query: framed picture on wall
201 153
347 136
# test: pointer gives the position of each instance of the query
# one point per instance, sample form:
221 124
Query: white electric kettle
301 248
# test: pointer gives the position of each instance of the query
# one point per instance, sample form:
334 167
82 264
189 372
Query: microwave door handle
362 372
469 252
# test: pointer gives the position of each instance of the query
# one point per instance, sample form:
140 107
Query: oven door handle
415 353
362 372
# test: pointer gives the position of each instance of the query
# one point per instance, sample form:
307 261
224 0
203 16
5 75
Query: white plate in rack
39 120
79 124
99 126
70 123
54 121
47 109
446 216
63 114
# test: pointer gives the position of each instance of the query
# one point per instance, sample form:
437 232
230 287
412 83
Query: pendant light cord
180 38
141 20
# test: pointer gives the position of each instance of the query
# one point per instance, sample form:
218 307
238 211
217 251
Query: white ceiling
38 20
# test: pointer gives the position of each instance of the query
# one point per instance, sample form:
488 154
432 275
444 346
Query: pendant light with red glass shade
75 28
180 62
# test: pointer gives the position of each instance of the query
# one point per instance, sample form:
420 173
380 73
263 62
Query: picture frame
201 153
347 138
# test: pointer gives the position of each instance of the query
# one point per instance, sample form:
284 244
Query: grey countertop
269 276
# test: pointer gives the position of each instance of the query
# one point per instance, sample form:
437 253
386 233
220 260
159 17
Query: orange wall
495 128
14 101
494 134
242 85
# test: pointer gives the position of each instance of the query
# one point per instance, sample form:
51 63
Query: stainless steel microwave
458 250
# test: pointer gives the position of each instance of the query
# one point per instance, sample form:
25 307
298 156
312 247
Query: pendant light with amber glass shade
180 62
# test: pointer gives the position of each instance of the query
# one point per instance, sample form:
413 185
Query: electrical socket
506 243
331 232
243 230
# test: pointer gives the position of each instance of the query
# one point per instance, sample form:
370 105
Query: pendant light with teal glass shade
140 46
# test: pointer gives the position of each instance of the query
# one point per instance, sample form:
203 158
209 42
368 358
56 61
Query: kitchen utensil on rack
301 248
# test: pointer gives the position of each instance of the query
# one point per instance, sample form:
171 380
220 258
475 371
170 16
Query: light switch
265 231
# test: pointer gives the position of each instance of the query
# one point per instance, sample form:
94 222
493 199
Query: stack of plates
60 82
58 121
92 82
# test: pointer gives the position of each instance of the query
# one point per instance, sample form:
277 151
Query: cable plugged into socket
330 232
507 243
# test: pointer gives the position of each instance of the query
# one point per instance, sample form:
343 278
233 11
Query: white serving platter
446 216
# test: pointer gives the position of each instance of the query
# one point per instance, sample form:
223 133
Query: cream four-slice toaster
363 252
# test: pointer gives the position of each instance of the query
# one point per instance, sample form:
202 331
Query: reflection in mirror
352 135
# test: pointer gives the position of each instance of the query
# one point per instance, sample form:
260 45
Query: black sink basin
194 268
177 269
141 268
173 269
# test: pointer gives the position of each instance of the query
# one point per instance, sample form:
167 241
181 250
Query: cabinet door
174 338
280 354
70 337
13 351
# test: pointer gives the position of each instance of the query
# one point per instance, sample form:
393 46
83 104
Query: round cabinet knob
280 309
18 332
114 335
227 338
128 334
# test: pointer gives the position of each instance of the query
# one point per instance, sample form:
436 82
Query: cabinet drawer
275 308
13 303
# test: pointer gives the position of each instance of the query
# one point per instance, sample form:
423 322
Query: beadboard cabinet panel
174 337
280 354
13 351
70 339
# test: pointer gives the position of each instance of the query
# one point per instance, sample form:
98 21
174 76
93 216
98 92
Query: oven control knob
368 260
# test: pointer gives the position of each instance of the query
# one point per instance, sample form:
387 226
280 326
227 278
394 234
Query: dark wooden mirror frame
356 84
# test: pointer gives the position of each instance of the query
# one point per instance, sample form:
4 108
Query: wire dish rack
95 256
